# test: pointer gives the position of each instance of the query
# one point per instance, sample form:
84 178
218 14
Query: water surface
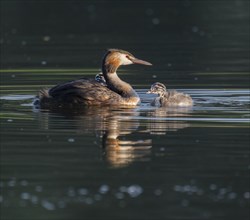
127 163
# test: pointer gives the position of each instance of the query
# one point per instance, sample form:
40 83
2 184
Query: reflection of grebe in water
120 153
114 129
169 97
91 92
120 147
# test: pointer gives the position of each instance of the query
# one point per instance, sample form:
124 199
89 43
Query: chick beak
138 61
149 92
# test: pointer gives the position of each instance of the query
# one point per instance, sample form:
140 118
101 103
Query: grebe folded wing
83 91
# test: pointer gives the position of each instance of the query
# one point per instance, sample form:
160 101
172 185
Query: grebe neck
114 83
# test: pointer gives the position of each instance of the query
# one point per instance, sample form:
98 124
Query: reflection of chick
163 120
122 153
169 98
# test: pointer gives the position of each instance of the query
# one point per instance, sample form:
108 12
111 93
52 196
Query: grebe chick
99 77
169 97
90 91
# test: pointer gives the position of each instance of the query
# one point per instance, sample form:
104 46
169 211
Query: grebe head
116 57
158 88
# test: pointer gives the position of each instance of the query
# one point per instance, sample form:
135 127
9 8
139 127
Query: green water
142 162
126 163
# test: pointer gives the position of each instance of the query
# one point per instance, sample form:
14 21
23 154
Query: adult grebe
169 97
90 91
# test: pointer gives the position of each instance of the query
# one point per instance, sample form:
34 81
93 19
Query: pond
128 163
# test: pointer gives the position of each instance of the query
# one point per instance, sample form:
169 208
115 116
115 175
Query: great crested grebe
111 91
169 97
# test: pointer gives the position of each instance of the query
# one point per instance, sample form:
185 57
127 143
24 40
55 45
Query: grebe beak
138 61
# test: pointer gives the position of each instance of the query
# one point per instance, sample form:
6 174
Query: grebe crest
116 57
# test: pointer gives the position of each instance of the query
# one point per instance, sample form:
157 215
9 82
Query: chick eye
127 57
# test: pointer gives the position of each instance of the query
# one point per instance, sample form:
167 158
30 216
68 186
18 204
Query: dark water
126 163
136 163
